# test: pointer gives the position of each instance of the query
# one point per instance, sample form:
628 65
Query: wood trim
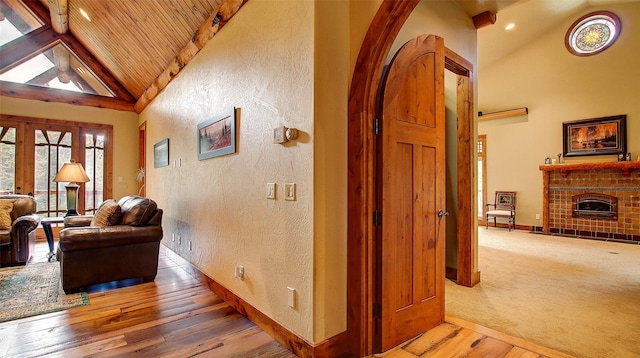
288 339
142 157
43 94
516 341
466 167
506 226
361 146
545 201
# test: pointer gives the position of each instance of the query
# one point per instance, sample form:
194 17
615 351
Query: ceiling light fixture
510 26
85 14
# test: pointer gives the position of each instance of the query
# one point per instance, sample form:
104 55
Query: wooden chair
504 206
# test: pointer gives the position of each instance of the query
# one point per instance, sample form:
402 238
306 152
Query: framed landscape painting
217 136
161 153
597 136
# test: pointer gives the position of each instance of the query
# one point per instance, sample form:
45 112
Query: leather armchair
17 243
98 254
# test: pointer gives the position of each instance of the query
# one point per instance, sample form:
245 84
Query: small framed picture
621 157
161 153
628 157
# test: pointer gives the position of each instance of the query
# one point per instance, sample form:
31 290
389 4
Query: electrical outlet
179 239
189 245
271 190
537 216
240 272
173 236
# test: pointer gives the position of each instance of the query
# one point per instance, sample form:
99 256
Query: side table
46 225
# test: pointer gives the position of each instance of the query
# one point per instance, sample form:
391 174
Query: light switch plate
290 191
271 190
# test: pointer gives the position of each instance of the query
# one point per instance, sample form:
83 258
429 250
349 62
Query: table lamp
73 173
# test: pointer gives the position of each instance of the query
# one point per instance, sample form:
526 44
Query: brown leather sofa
18 239
126 246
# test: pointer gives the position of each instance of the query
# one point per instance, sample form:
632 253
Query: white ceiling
532 18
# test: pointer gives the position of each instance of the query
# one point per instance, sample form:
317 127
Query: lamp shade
71 172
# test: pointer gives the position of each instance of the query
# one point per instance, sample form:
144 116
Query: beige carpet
581 297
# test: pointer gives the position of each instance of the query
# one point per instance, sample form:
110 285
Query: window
482 177
32 150
592 33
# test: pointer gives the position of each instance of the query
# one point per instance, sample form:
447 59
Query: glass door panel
7 160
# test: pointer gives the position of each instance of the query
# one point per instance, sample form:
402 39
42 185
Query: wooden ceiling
134 47
141 45
136 40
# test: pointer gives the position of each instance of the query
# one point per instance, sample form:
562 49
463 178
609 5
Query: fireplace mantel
565 169
561 183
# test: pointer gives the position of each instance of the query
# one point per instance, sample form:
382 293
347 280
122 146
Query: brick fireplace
592 200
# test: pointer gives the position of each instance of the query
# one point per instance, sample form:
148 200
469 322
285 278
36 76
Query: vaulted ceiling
135 48
132 47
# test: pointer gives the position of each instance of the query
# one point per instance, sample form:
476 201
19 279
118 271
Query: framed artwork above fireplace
596 136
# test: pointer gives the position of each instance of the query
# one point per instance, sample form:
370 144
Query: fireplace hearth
595 205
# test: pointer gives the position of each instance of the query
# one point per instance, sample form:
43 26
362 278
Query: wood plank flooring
176 316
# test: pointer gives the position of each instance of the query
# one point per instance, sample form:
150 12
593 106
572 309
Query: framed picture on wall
596 136
161 153
217 135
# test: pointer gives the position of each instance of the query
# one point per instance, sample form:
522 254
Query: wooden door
410 252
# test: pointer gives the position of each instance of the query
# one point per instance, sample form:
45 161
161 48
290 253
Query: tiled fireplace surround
563 181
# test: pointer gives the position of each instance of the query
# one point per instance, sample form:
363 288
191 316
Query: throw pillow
5 214
136 211
108 214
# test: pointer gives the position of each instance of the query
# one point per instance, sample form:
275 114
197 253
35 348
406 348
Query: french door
32 150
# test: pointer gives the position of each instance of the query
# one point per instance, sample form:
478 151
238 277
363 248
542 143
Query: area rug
34 289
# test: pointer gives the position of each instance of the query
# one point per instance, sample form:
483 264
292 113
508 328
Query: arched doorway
361 147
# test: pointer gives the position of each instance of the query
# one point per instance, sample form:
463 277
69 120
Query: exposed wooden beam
97 68
59 15
211 26
17 90
22 48
483 19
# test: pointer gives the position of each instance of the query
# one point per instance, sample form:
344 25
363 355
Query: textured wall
556 86
262 63
125 133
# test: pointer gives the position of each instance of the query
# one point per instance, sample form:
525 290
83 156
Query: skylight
54 66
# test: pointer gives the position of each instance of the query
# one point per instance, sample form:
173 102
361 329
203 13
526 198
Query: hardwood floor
176 316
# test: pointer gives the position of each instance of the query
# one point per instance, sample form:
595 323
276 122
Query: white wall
556 86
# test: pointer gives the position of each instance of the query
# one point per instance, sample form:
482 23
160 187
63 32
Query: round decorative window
592 33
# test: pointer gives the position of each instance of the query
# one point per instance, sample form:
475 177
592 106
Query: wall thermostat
284 134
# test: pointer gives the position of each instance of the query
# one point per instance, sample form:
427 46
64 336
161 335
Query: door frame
367 75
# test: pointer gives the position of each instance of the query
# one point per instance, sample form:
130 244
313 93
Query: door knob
442 213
